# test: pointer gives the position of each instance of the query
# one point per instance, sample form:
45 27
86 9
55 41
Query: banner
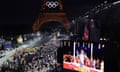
28 49
8 44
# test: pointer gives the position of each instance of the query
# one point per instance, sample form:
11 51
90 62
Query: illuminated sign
29 49
51 4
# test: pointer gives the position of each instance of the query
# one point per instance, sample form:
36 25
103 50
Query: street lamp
20 40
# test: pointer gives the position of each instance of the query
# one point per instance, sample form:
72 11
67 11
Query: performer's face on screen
82 51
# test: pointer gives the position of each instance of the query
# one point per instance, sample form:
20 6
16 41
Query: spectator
87 62
102 66
97 64
94 63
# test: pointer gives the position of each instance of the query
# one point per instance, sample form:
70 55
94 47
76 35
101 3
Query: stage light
103 46
101 39
104 38
99 46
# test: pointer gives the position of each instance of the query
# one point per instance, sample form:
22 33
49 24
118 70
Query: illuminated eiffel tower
51 10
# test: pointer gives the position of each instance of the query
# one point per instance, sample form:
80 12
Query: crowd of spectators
43 59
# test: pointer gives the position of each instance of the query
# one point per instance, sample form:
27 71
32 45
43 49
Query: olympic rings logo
52 4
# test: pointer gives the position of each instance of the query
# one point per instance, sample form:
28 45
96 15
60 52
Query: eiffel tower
51 10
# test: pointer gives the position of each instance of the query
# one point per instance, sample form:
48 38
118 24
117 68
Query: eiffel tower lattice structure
51 10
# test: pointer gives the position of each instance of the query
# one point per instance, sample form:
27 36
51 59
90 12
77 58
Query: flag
86 33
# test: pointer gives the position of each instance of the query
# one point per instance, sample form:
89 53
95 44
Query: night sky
18 16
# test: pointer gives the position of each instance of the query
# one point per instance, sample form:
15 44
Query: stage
76 67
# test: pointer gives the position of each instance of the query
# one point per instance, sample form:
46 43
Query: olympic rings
52 4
